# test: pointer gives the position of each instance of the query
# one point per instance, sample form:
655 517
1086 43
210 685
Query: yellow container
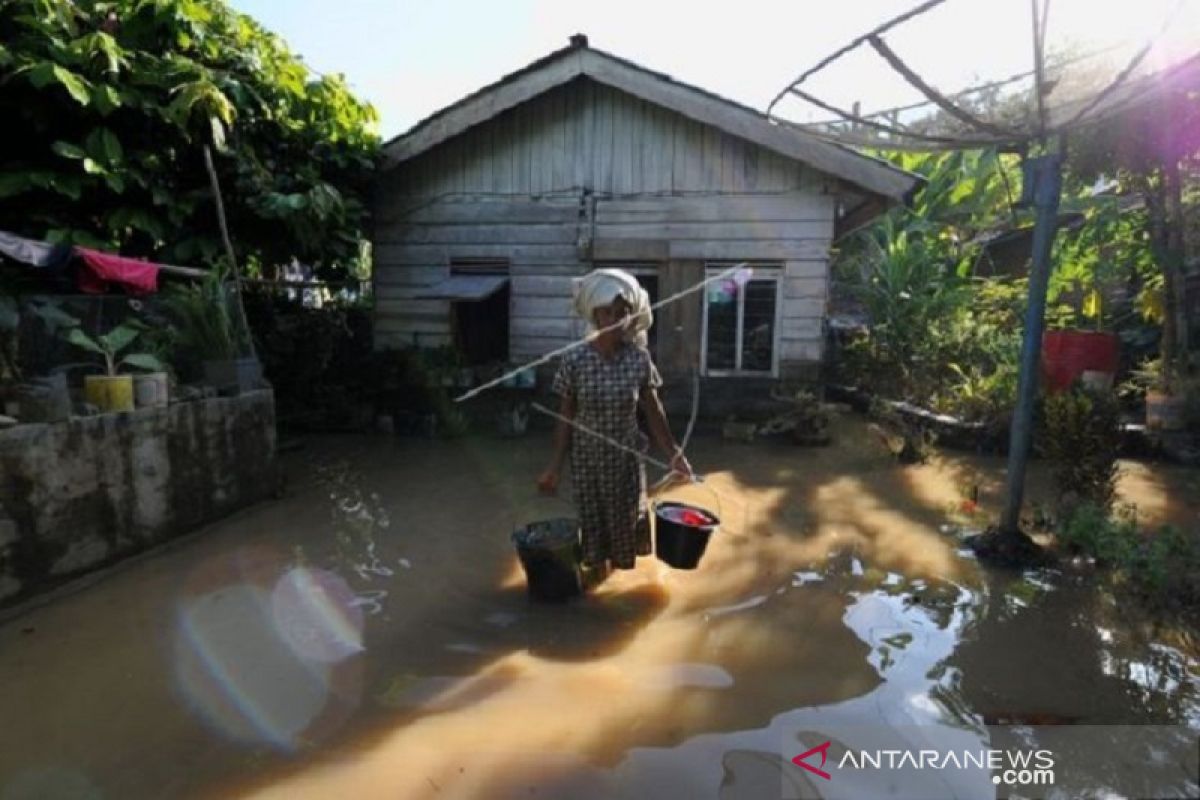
109 392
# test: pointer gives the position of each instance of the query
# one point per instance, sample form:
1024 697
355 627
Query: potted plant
113 391
160 340
1164 407
208 333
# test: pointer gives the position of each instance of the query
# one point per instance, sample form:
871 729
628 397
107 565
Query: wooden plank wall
512 188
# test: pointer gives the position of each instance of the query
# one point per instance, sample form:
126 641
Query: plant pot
234 376
1165 412
151 389
1066 355
109 392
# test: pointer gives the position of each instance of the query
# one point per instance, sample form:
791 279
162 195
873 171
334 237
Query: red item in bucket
686 516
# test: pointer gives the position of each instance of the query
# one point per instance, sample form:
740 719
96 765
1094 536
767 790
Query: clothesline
45 254
100 268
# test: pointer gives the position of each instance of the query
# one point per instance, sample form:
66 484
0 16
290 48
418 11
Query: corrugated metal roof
464 287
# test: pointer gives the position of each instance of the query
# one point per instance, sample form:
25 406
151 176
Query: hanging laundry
32 252
101 269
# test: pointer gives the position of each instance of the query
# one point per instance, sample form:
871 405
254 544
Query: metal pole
1046 173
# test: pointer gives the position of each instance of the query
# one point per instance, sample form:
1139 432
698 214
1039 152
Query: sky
410 58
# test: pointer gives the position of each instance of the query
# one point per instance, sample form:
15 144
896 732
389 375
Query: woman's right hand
547 482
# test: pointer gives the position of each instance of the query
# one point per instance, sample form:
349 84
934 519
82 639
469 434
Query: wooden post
237 275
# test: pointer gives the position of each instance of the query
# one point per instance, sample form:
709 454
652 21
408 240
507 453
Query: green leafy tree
933 324
943 334
108 106
1155 154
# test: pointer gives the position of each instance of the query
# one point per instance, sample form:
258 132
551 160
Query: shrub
1081 437
1163 563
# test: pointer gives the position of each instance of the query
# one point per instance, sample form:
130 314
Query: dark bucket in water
681 533
549 553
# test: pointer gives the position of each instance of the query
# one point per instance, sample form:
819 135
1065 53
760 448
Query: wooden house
486 212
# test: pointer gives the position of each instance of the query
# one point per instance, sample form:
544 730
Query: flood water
368 635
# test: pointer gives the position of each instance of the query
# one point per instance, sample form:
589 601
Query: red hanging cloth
101 269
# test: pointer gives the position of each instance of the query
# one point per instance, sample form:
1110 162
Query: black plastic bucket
681 542
549 553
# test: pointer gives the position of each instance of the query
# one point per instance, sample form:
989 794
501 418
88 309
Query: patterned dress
609 484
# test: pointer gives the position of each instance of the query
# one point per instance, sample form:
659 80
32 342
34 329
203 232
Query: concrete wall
84 493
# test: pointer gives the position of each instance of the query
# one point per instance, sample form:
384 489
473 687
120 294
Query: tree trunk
1176 289
1156 194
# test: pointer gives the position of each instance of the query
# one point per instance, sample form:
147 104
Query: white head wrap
602 287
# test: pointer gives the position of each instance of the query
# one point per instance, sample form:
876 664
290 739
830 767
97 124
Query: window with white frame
741 321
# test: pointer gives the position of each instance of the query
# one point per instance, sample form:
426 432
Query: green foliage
110 346
1097 263
1081 438
1090 529
316 359
943 336
903 286
1163 563
1150 155
936 331
962 360
109 105
201 316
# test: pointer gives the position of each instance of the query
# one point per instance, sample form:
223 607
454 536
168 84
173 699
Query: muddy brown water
369 636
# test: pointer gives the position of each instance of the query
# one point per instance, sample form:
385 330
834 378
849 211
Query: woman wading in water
602 384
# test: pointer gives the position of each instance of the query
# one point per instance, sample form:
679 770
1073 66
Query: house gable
568 65
587 135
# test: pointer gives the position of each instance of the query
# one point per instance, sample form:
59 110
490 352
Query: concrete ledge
85 493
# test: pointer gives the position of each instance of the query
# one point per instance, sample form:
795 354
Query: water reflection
357 517
347 654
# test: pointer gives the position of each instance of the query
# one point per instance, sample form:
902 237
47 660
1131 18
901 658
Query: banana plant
112 344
